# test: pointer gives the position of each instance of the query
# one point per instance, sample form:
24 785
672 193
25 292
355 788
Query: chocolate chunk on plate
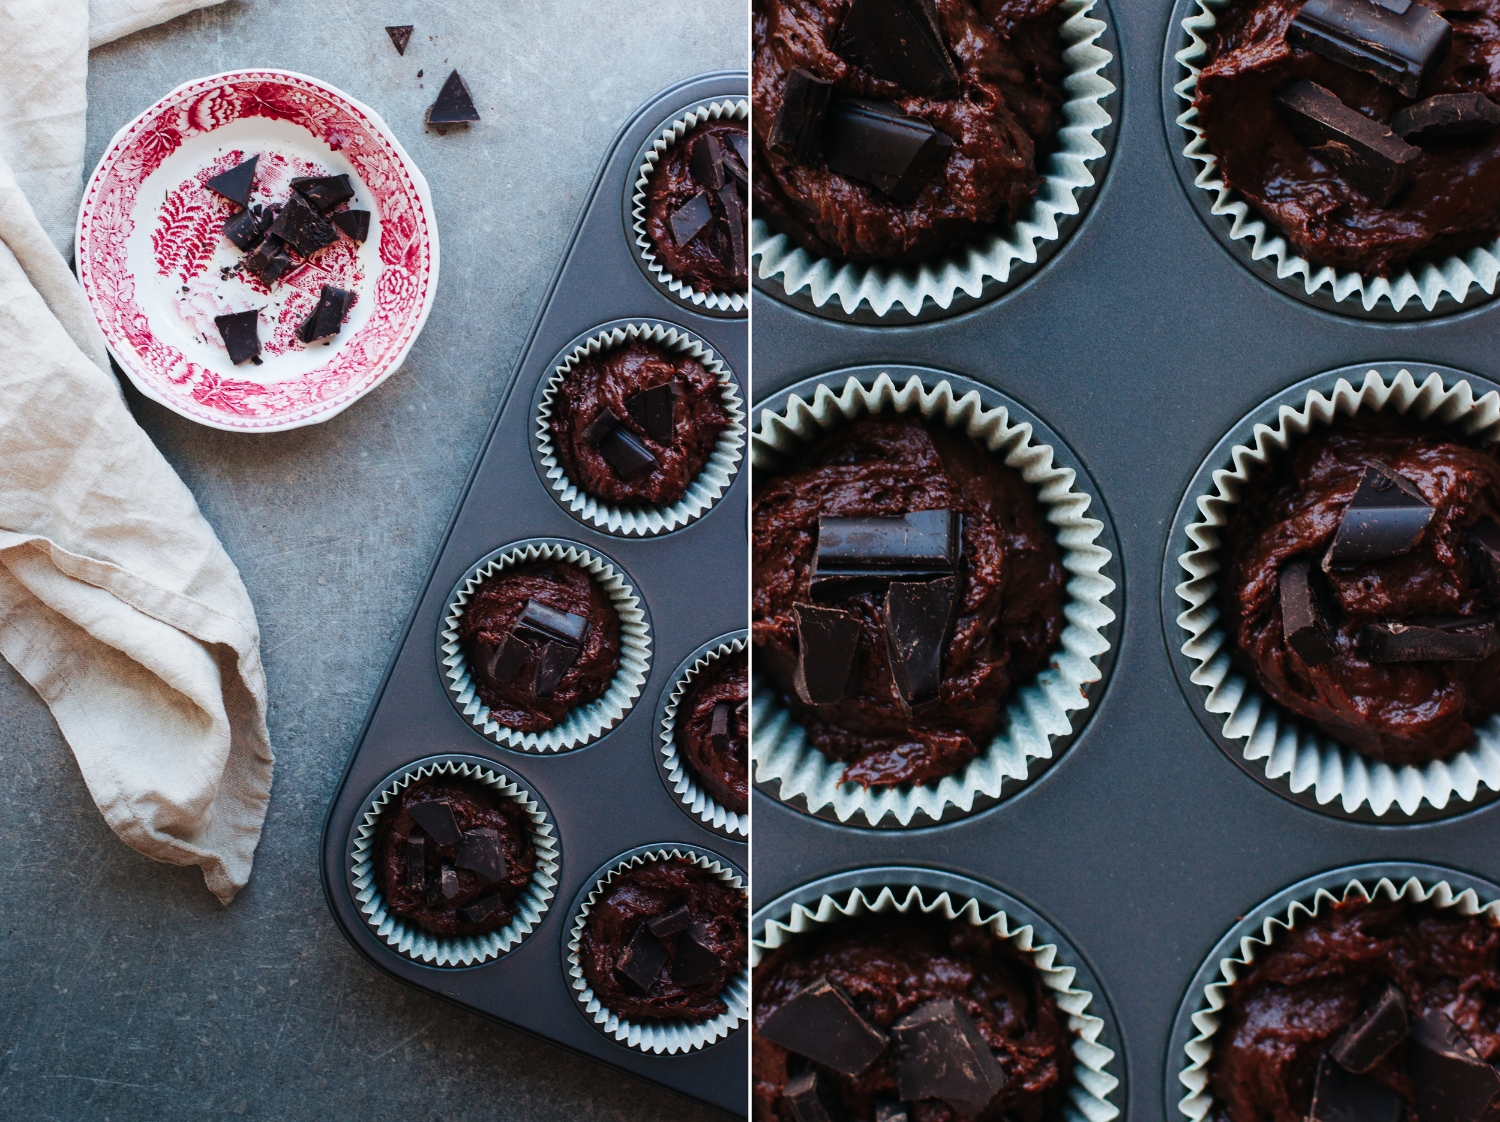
1446 115
270 261
480 852
302 227
236 183
655 410
244 230
1398 42
435 816
454 104
1384 519
873 141
696 961
1342 1096
241 334
1306 612
1450 639
797 129
940 1055
900 41
917 617
1372 1035
400 36
627 455
327 316
324 191
549 623
1366 154
821 1022
691 218
827 642
355 223
641 961
1451 1082
552 662
812 1098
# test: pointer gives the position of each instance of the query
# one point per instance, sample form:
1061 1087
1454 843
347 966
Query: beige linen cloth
117 602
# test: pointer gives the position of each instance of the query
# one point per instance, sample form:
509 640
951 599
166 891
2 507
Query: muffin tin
1141 343
605 795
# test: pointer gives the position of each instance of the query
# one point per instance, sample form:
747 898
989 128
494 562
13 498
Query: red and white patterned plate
157 268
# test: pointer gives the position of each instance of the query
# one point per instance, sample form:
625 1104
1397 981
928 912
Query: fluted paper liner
1425 283
706 488
1093 1082
737 109
698 801
586 722
666 1036
994 253
1289 749
470 950
783 761
1199 1102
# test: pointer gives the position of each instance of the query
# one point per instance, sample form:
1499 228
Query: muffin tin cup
674 772
707 487
894 293
786 767
1454 283
667 1037
586 722
471 950
729 109
1287 753
1198 1021
850 897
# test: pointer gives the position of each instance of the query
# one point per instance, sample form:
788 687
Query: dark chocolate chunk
643 959
670 923
1445 115
481 909
448 882
740 142
552 662
243 229
690 219
887 1110
733 253
302 227
324 191
601 426
1384 519
706 161
811 1099
416 860
627 455
922 543
940 1055
1366 154
481 854
900 41
821 1022
270 261
1306 616
1482 543
550 623
355 223
797 131
655 410
1342 1096
719 727
737 156
241 333
1397 45
917 616
328 316
827 641
236 183
506 660
400 36
1449 639
435 816
1371 1036
454 104
875 142
696 961
1451 1082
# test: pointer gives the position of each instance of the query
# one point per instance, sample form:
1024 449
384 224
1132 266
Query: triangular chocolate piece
236 183
241 333
302 227
454 104
1384 519
324 191
355 223
400 36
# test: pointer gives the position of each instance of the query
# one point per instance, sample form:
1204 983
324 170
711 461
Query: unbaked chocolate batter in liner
706 261
725 775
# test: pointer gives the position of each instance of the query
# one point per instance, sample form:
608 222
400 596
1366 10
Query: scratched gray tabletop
126 991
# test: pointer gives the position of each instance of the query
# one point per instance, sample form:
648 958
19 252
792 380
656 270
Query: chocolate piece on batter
811 1099
1305 616
875 142
400 36
696 961
241 334
797 130
1482 543
549 623
719 727
1384 519
626 454
1446 115
887 1110
900 41
355 223
691 218
821 1022
739 141
923 542
327 317
643 959
302 227
324 191
827 641
236 183
917 617
733 253
481 909
707 161
1398 44
435 816
244 230
1342 1096
416 860
507 659
670 923
1373 1034
552 662
448 883
481 854
1368 155
270 261
655 410
1454 639
1451 1082
454 104
601 426
940 1055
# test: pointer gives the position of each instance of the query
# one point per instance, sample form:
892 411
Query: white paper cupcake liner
1093 1081
706 489
993 255
790 769
1198 1105
733 109
470 950
680 780
668 1037
1425 283
1292 751
586 722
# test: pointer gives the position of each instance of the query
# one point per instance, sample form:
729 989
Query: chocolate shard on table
270 261
797 130
696 961
706 161
1384 519
454 104
941 1055
355 223
811 1099
1372 1035
244 229
507 658
917 617
655 410
400 36
642 959
1482 544
627 455
718 727
1365 153
691 218
1398 44
327 316
1306 616
435 816
1451 1082
481 909
416 860
827 641
873 141
900 41
324 191
670 923
241 334
734 219
236 183
1342 1096
888 1110
601 426
1450 639
480 852
552 662
448 882
549 623
302 227
820 1022
1446 115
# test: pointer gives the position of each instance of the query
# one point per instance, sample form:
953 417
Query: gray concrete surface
126 991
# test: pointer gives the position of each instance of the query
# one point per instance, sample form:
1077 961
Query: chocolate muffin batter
706 261
1398 712
492 612
1003 123
723 773
608 380
1453 201
1298 997
892 965
1010 609
475 806
646 892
